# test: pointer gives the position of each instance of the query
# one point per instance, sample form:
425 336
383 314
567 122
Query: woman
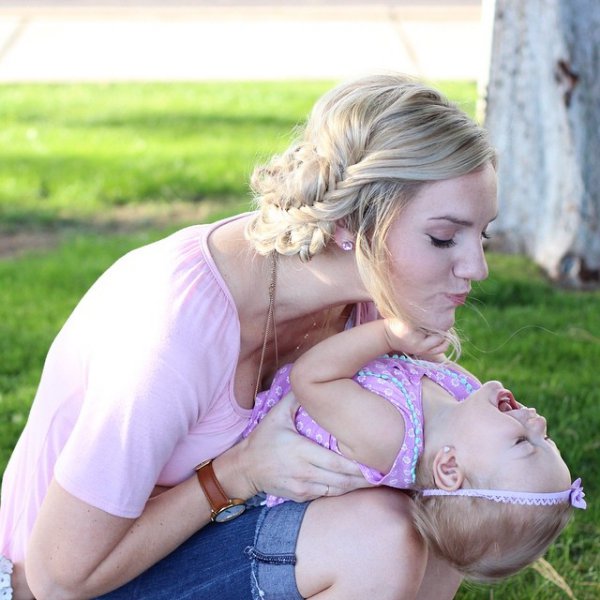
385 197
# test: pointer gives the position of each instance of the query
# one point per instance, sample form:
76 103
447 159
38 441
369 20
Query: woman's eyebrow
457 220
454 220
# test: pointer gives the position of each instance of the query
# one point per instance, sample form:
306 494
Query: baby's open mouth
506 401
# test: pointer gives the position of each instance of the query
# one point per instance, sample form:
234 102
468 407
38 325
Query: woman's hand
276 459
414 340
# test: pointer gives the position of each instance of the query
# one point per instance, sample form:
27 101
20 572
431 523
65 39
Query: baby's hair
485 540
367 148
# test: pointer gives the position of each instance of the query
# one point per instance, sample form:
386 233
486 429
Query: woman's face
436 245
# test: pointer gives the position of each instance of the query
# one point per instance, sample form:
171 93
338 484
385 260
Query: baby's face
505 445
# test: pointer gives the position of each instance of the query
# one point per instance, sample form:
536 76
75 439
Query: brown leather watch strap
222 507
211 487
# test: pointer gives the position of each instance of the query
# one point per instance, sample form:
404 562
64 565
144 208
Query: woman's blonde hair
365 151
485 540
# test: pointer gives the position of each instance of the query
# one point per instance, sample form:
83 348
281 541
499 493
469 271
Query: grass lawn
107 168
67 152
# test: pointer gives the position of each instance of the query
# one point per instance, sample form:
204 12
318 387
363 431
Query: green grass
69 151
544 343
72 153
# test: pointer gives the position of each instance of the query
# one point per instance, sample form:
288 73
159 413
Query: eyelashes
442 243
439 243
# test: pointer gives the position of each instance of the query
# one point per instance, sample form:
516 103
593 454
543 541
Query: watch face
229 512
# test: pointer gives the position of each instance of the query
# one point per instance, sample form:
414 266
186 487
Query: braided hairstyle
367 148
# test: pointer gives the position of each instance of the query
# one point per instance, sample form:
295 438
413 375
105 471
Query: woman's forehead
463 201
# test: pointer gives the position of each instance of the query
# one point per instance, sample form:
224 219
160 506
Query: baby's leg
361 545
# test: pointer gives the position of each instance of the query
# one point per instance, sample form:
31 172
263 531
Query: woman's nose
472 265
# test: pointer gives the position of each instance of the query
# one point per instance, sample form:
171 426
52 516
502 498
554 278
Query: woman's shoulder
174 271
162 300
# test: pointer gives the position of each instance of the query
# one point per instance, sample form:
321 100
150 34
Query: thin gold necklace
305 337
270 320
324 325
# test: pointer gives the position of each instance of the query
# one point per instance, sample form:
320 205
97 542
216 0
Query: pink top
398 380
137 388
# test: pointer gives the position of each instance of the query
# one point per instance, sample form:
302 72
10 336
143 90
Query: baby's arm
368 428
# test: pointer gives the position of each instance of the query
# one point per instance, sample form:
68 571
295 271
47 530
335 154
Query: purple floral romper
394 377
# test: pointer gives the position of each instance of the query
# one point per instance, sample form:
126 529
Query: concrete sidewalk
60 42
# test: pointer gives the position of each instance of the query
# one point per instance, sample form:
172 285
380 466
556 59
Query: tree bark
543 113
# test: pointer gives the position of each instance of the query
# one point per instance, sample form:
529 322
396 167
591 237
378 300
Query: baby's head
488 540
489 442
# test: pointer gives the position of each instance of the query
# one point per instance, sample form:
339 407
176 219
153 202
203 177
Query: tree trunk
543 114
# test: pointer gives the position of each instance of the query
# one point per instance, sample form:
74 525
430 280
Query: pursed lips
458 299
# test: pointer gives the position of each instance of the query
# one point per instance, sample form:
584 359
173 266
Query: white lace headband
574 496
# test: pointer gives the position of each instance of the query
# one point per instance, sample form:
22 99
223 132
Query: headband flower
576 495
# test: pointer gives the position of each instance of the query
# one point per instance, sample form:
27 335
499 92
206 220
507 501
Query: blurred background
109 40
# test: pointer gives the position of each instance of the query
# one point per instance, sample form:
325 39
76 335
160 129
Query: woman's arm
321 381
77 550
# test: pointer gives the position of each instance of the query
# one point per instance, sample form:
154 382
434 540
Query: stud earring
347 245
446 448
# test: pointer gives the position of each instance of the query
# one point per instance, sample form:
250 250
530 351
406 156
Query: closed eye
521 439
442 243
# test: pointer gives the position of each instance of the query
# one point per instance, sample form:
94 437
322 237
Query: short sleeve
151 376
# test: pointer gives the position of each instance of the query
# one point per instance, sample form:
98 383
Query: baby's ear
447 473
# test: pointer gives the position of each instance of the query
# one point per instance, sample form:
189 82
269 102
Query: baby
491 490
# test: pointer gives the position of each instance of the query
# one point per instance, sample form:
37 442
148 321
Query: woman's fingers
304 471
319 483
284 463
329 474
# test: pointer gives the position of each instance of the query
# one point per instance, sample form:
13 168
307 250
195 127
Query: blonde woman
379 206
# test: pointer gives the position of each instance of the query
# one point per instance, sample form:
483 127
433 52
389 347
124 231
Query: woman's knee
355 542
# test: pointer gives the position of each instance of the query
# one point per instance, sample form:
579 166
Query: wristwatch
222 508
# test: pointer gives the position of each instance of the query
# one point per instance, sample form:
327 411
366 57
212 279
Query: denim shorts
252 557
